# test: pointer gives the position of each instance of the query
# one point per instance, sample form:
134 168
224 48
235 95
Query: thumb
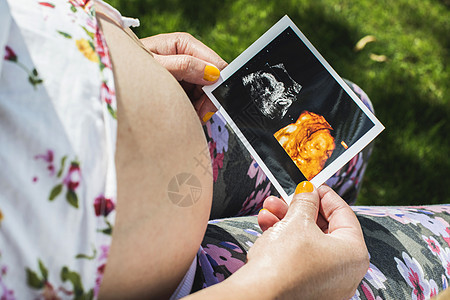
189 68
304 207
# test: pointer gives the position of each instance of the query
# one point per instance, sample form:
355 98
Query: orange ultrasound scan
308 142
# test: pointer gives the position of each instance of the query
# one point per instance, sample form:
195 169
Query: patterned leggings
409 246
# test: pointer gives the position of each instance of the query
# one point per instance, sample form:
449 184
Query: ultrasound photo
296 116
272 90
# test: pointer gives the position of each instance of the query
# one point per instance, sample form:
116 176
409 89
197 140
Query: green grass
410 90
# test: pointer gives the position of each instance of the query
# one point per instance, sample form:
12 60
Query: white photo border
253 50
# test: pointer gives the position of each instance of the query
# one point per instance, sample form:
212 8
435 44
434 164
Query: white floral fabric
57 135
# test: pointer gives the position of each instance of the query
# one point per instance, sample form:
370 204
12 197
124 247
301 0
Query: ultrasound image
272 90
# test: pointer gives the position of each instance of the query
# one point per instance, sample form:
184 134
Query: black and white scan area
272 90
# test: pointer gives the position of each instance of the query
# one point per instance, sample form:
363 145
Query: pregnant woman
95 127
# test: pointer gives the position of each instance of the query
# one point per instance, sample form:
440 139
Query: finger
183 43
276 206
340 217
322 223
189 68
204 108
304 206
266 219
207 110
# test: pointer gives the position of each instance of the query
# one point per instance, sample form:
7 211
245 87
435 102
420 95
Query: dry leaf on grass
363 42
378 58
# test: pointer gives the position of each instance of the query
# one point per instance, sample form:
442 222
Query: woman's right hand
315 251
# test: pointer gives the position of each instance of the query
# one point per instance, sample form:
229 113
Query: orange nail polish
211 73
263 209
207 116
304 187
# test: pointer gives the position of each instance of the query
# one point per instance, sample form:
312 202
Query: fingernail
211 73
262 210
304 187
207 116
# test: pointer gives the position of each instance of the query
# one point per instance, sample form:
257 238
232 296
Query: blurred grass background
409 87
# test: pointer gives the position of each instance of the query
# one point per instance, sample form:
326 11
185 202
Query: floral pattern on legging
409 247
409 251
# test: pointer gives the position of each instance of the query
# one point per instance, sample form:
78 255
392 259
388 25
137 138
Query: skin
313 249
154 241
159 135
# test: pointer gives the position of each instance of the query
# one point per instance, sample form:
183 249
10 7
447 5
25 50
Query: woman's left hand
191 62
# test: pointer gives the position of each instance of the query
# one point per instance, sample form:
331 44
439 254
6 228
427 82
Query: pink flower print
33 76
375 277
104 249
49 292
108 95
98 280
368 292
105 91
431 224
102 50
71 181
103 206
223 257
255 170
435 208
7 294
48 158
412 272
48 4
255 202
216 161
447 237
399 214
79 3
10 54
218 132
433 245
356 296
434 290
73 177
445 259
446 233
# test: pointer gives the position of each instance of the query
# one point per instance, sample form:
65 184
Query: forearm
235 287
254 280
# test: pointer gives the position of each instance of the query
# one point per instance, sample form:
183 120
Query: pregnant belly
163 173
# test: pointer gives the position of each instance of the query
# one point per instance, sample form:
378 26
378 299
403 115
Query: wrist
246 283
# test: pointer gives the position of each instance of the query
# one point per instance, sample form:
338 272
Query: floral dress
57 136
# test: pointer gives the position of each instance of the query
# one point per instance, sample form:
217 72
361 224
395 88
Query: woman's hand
312 249
191 62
